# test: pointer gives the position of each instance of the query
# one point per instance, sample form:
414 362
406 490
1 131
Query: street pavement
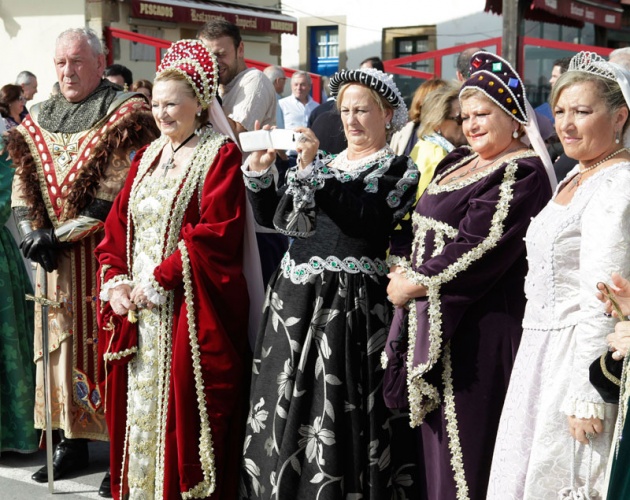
16 482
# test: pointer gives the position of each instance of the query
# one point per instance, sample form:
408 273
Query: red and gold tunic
59 176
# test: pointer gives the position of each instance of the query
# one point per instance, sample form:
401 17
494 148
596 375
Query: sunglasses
457 119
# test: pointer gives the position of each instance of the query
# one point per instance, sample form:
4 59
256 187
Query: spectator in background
120 75
403 141
278 79
621 57
372 62
297 107
325 122
559 67
439 133
144 87
246 94
12 102
462 72
28 82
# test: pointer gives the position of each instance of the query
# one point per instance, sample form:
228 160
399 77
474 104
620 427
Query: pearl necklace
575 182
341 161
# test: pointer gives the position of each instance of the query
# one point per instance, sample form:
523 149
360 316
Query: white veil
535 139
251 259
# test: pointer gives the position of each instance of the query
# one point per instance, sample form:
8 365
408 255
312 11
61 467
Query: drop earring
388 125
515 134
617 137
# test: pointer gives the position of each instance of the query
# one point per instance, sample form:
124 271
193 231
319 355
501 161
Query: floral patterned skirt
318 427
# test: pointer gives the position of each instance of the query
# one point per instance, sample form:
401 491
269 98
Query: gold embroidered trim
423 397
109 356
454 445
396 260
206 451
193 175
607 374
433 284
421 226
435 188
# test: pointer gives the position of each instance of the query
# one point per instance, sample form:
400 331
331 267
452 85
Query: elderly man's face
79 70
30 89
300 88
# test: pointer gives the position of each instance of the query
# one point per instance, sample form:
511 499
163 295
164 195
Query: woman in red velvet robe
174 301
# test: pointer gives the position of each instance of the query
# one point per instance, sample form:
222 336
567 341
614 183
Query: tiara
595 64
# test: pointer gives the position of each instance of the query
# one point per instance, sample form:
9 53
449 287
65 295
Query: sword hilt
43 301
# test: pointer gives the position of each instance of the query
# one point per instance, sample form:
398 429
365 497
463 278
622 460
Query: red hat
197 64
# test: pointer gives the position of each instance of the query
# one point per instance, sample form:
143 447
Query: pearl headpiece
377 80
196 63
498 80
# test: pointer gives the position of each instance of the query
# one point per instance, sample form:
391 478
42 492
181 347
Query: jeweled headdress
377 80
592 63
496 78
196 63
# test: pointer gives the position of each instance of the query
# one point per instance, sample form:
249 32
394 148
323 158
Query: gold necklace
575 182
477 166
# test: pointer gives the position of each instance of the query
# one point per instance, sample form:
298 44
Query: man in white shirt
246 94
278 79
297 107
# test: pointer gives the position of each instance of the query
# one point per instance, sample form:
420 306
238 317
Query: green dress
17 370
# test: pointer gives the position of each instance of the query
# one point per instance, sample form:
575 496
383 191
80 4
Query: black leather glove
41 246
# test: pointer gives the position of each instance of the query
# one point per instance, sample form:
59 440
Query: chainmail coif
58 115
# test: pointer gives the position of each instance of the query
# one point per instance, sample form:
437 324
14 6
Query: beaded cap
592 63
196 63
496 78
377 80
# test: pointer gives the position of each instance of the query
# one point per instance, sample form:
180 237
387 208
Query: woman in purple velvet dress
458 285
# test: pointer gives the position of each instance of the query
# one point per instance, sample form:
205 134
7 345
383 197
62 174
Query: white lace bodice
570 248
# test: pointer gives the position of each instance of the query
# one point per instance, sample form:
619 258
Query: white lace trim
153 295
301 273
206 446
121 279
583 409
454 444
113 356
433 284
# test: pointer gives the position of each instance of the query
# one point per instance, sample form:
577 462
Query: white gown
570 249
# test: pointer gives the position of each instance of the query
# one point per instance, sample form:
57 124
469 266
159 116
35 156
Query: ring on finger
589 435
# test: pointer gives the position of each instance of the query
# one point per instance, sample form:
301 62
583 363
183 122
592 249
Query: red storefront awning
598 12
198 12
569 12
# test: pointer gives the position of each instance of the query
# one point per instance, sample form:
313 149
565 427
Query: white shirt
250 96
295 113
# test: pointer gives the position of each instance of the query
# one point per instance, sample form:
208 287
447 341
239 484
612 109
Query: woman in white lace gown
582 236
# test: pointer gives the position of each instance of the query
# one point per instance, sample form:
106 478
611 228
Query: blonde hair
437 108
415 110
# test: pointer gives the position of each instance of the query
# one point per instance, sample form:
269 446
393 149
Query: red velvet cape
212 231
